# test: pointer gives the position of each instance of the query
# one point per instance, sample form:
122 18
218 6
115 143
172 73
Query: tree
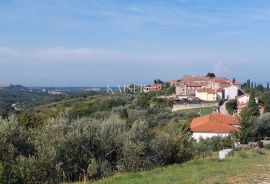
265 99
260 87
248 119
158 81
211 75
233 81
263 125
231 106
248 83
268 86
253 106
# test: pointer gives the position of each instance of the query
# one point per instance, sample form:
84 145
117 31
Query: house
220 93
208 95
231 92
218 82
152 88
244 99
188 85
188 89
242 102
214 125
172 82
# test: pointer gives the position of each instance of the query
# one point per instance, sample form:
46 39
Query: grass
203 111
243 167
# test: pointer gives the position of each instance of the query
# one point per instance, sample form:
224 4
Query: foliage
158 81
174 144
235 169
205 147
265 99
63 149
263 125
212 75
249 120
231 106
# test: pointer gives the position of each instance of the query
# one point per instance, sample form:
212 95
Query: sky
96 42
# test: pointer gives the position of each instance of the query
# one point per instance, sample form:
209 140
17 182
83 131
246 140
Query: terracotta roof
194 85
222 80
216 123
220 90
209 91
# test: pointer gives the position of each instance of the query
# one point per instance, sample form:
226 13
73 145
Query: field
202 111
243 167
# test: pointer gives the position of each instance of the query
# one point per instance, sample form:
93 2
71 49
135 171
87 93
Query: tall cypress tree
253 107
268 86
247 119
248 83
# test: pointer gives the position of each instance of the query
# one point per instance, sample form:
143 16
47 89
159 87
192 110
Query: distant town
228 98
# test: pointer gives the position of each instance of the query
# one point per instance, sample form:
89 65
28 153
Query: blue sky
90 43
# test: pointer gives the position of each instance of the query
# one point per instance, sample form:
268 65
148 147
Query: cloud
219 68
68 54
62 54
8 52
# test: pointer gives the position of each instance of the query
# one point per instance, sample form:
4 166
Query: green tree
263 126
231 106
248 119
211 75
248 83
253 106
260 87
158 81
265 99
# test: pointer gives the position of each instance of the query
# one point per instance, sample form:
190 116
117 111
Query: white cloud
62 54
8 52
219 68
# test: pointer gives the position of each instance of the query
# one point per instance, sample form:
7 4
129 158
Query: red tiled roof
222 80
220 90
209 91
216 123
194 85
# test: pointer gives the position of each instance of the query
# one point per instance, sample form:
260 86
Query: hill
243 167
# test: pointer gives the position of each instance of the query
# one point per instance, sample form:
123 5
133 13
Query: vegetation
195 112
95 135
242 167
231 106
212 75
206 147
248 120
92 136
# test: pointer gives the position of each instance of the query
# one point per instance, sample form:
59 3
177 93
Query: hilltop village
228 98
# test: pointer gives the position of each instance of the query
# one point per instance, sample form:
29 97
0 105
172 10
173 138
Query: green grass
203 111
243 167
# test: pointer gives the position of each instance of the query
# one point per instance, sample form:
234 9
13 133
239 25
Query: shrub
205 147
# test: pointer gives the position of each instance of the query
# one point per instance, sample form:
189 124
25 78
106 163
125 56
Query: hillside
243 167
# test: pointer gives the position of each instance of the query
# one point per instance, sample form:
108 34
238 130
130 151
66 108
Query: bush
231 106
64 149
205 147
